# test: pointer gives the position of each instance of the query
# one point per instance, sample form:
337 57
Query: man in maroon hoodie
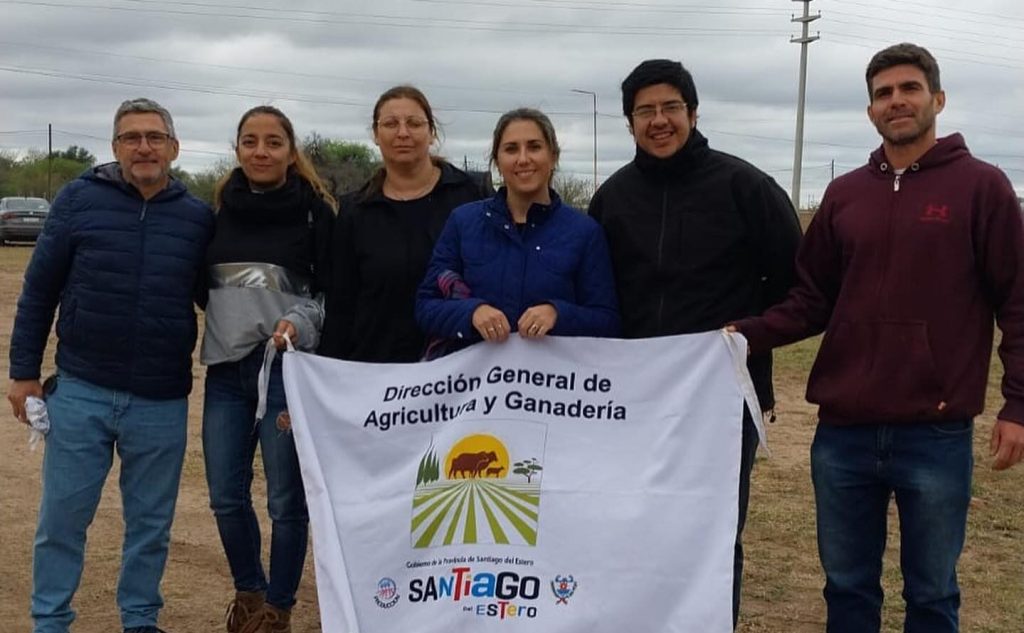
904 267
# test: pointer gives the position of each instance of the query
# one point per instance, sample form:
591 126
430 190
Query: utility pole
798 152
49 162
594 95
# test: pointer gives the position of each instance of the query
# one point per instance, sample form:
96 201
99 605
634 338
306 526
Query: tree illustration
527 468
429 468
433 468
422 470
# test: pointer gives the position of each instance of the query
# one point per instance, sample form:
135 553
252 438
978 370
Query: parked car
22 219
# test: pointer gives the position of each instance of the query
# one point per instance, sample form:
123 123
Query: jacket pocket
877 371
558 260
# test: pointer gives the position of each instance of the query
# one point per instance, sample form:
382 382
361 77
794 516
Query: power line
862 42
632 7
289 73
692 5
989 41
958 12
621 7
202 89
146 83
420 23
205 89
257 69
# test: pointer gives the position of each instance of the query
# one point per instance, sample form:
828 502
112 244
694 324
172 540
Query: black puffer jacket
381 250
697 240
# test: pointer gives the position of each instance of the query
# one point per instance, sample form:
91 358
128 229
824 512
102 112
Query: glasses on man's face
412 123
155 140
669 109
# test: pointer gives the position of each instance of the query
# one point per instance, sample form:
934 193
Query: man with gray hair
120 254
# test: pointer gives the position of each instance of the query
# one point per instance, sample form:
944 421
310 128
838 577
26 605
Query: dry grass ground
782 588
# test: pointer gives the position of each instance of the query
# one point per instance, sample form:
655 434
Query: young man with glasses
698 238
120 255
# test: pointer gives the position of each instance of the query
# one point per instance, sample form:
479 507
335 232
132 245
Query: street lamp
594 95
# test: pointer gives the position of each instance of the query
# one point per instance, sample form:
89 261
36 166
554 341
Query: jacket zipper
887 249
661 250
525 250
138 276
890 215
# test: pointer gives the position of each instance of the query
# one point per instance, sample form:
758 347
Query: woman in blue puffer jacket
526 261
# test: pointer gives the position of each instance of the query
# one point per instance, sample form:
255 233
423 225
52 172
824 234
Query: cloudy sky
70 62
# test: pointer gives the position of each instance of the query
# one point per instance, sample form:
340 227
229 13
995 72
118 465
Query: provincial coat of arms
563 587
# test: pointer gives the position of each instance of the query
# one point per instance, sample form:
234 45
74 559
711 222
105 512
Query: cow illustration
495 472
472 463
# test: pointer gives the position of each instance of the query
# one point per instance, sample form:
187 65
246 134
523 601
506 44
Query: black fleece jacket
697 240
381 250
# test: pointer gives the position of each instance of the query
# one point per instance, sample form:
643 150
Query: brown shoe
246 607
270 620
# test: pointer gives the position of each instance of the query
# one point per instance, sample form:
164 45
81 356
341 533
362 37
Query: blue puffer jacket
124 272
560 257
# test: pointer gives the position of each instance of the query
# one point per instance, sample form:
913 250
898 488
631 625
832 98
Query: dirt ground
782 588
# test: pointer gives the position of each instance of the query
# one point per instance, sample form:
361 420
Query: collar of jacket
110 173
945 150
536 214
449 176
692 153
288 204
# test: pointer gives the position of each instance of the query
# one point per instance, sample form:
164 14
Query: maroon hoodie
904 273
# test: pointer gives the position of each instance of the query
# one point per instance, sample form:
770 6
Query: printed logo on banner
387 593
563 587
480 489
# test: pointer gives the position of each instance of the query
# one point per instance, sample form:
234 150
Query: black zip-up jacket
381 249
697 240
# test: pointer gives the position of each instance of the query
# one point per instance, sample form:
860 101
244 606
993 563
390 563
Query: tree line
34 175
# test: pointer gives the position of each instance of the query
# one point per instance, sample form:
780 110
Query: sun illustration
477 456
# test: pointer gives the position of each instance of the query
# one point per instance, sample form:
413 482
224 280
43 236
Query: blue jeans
856 470
87 424
230 435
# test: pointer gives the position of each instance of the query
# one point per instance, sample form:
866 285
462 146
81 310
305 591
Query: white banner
562 485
